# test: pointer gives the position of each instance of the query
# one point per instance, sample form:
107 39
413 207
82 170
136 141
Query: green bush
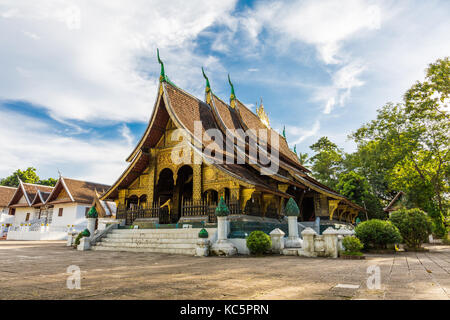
352 244
77 239
377 233
84 233
414 226
258 242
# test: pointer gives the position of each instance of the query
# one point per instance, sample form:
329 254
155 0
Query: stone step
148 240
151 231
189 251
151 236
172 241
148 245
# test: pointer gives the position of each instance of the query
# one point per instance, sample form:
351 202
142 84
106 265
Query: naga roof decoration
162 76
262 114
232 95
207 88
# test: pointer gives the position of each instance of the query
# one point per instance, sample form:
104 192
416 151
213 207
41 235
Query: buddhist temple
238 167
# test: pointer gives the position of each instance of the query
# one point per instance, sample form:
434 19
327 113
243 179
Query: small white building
6 193
26 216
56 212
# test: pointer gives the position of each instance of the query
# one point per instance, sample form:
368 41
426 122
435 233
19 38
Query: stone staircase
174 241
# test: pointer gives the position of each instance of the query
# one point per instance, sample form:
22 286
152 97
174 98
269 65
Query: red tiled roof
6 193
79 190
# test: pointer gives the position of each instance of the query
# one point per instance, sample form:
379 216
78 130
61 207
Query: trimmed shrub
377 233
291 208
84 233
414 226
352 244
258 242
92 213
77 239
203 234
222 209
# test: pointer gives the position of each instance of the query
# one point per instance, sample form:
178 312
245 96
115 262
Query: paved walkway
38 270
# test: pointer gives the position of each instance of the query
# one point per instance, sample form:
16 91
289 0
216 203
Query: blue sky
79 78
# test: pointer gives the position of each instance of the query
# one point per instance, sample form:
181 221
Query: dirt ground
38 270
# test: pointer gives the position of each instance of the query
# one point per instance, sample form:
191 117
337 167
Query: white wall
36 235
73 214
21 214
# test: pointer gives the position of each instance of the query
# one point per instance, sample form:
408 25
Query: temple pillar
197 182
234 193
123 194
266 200
332 206
151 178
246 194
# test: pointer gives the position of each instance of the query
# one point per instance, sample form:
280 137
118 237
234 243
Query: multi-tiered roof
184 109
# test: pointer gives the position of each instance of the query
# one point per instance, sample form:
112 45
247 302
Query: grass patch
346 253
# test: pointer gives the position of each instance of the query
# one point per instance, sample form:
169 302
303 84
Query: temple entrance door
210 197
307 209
183 188
164 194
132 202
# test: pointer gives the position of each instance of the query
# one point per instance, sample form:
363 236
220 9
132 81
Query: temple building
238 167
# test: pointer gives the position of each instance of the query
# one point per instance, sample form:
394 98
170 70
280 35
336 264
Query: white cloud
93 58
35 143
343 81
329 106
31 35
301 134
325 24
127 135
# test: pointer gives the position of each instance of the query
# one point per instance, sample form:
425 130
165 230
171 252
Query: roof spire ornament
232 95
262 114
207 89
162 76
284 132
295 148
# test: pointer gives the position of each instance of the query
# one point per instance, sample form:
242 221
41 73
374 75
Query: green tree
356 188
414 226
29 176
304 159
48 182
409 143
327 162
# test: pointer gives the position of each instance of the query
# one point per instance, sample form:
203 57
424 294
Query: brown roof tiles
6 193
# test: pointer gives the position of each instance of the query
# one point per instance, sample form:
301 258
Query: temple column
267 199
123 194
197 182
151 178
246 194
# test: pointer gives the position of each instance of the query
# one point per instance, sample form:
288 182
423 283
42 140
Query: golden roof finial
262 114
